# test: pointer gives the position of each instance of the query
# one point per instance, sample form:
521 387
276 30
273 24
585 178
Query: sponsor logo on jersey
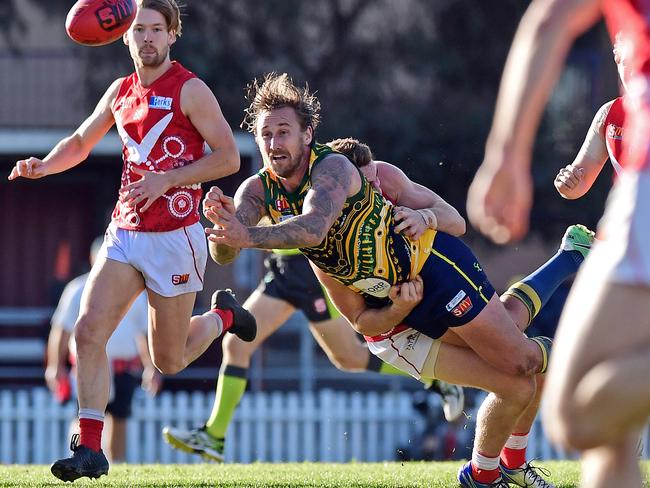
162 103
180 279
456 300
463 307
373 286
615 132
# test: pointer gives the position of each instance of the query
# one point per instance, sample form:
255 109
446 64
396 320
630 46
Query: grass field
565 474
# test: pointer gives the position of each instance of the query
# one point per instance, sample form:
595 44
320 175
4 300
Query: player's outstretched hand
406 296
31 168
567 182
499 201
215 199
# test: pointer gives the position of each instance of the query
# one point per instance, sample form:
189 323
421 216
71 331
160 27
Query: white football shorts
405 348
622 249
172 263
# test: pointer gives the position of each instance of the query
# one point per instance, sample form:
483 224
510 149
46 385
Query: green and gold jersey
362 249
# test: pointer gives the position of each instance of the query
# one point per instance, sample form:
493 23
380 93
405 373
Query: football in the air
99 22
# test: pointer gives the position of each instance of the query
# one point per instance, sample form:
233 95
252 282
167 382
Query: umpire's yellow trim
531 294
460 272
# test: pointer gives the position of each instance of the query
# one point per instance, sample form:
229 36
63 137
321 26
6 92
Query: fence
277 427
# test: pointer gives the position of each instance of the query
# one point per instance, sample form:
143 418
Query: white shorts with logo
623 246
172 263
406 350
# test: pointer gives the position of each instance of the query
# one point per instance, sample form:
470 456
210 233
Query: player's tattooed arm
247 207
330 185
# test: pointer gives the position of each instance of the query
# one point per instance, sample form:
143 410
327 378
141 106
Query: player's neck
148 75
292 182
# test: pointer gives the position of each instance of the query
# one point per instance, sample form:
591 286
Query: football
99 22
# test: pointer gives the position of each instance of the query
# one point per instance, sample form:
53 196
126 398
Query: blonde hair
356 151
168 9
278 91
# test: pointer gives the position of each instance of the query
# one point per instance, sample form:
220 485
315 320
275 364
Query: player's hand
215 199
148 189
227 228
568 181
31 168
410 222
407 295
499 201
53 375
151 380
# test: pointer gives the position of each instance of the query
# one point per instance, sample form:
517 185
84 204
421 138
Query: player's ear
171 39
308 136
125 38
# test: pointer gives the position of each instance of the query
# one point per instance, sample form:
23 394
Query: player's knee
88 334
520 390
167 363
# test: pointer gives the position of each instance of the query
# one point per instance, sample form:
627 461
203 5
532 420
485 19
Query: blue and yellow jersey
362 249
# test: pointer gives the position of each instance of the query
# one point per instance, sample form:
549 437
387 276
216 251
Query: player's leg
119 410
613 464
208 440
509 397
111 288
600 369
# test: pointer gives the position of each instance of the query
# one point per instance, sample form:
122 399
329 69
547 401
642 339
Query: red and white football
99 22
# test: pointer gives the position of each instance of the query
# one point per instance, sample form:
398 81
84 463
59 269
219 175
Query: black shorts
456 288
125 385
290 278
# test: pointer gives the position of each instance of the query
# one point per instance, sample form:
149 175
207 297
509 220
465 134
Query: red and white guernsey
614 122
628 19
157 136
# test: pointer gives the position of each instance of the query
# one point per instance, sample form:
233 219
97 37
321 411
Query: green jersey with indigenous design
362 249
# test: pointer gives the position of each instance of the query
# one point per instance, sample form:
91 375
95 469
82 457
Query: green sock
231 385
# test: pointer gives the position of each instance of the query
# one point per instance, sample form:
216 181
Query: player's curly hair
356 151
278 91
169 9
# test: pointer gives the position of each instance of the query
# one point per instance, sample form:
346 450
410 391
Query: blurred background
414 79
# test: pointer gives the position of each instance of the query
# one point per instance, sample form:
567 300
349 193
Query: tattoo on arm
331 180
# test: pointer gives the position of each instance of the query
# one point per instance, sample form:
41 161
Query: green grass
565 474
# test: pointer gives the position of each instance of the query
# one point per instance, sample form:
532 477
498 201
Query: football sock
91 424
231 385
484 469
513 455
536 288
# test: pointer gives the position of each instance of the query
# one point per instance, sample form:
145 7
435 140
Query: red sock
514 456
226 318
91 433
484 475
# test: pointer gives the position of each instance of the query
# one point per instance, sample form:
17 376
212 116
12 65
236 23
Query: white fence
277 427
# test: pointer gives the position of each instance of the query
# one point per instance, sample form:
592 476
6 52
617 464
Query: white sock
483 462
217 319
517 442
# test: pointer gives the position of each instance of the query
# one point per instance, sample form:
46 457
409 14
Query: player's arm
372 321
419 207
332 180
200 106
74 149
57 354
247 206
575 179
500 197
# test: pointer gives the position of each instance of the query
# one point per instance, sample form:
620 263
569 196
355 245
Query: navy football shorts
456 288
